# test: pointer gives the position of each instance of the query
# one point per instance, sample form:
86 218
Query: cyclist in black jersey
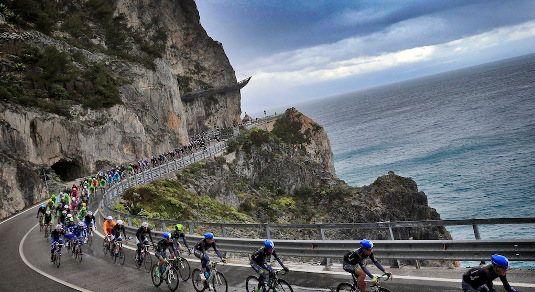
55 236
116 233
200 252
259 262
354 263
141 237
177 234
480 278
162 245
48 219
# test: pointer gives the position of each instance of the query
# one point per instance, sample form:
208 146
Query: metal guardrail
469 250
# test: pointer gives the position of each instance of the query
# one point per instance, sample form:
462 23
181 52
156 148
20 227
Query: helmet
48 212
499 261
83 204
90 213
69 215
366 243
144 224
50 200
72 220
178 227
58 227
269 244
119 222
109 218
83 209
63 212
208 235
42 205
167 235
81 224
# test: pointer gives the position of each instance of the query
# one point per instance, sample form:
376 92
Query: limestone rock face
152 117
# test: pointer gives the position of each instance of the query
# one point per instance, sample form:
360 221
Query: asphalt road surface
26 266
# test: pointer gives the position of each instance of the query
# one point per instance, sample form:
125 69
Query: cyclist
59 208
50 205
62 217
40 212
354 262
79 233
107 226
55 236
177 234
68 229
116 233
200 252
480 278
162 245
259 262
48 219
82 213
141 238
53 199
89 221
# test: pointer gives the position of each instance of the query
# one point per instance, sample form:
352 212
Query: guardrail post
392 238
326 261
477 235
190 227
163 227
268 233
223 230
129 219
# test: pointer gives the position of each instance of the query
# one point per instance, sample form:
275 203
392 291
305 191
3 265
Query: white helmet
145 224
69 215
119 222
81 224
63 212
109 218
48 212
90 213
59 226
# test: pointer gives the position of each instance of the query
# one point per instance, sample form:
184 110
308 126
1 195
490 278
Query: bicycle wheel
198 283
80 253
157 281
90 239
147 262
219 282
57 259
382 289
183 268
172 279
115 254
105 249
346 287
283 286
121 257
251 283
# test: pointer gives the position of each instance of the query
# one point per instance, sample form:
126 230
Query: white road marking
21 252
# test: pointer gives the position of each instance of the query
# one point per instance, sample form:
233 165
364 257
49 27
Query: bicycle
170 274
77 251
145 259
182 266
56 256
353 285
106 244
118 253
47 233
40 220
90 236
219 283
274 283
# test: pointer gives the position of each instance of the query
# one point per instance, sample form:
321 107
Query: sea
466 137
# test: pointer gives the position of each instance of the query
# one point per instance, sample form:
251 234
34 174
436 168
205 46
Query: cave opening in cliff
67 170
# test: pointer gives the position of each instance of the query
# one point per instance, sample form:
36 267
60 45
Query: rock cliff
150 118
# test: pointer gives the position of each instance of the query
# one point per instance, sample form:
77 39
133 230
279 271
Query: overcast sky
306 49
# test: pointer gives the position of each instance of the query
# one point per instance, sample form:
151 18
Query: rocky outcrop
152 117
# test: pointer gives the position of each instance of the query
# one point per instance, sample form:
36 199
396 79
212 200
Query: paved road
98 273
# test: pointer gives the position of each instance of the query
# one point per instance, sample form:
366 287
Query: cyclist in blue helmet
259 262
200 252
480 278
163 244
354 263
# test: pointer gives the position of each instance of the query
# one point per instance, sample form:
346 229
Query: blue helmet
208 235
366 243
269 244
499 260
42 205
167 235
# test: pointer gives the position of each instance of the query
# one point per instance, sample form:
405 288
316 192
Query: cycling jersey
41 210
358 257
484 275
56 235
116 231
176 236
48 219
107 226
141 234
82 214
89 220
78 231
163 244
260 256
202 246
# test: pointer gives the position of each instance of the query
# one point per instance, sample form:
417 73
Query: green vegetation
51 69
289 130
167 199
